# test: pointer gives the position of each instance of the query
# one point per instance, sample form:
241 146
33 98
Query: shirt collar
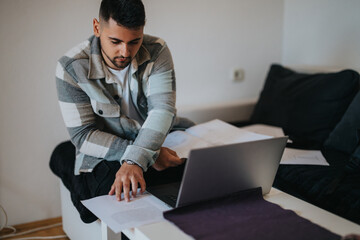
97 65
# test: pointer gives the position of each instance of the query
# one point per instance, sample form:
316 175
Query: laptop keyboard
168 193
172 199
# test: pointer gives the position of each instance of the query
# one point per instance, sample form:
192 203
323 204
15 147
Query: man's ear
96 27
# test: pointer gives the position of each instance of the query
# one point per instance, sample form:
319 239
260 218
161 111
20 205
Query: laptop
215 172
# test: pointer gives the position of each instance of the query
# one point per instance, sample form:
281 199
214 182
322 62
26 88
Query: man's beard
121 64
118 64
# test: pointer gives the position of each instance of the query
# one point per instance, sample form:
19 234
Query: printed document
212 133
121 215
303 157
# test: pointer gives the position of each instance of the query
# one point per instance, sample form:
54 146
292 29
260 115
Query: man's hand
167 158
128 174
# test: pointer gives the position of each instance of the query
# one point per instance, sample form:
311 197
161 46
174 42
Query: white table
77 230
166 230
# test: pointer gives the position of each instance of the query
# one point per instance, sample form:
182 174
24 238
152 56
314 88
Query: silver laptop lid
217 171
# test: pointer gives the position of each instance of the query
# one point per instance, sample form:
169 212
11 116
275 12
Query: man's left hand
167 158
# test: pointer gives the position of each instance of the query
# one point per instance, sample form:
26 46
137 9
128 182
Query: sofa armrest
236 111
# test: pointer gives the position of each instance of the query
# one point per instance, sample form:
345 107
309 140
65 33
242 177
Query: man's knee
62 159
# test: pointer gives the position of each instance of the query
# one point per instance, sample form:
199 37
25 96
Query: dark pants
99 181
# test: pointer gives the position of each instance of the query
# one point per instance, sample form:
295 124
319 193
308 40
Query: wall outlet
238 75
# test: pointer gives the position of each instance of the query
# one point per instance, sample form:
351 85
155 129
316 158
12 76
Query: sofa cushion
345 136
353 166
334 188
306 106
315 184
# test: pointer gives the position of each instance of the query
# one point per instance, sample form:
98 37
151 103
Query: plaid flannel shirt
90 104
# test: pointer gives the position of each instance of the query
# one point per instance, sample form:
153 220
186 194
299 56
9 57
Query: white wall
207 38
34 34
322 33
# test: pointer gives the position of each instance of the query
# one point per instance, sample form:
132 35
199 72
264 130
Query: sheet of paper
144 209
307 157
219 132
182 142
265 130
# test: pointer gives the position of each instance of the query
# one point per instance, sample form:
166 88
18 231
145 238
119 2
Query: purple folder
245 215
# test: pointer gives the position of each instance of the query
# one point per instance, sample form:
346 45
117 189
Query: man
117 96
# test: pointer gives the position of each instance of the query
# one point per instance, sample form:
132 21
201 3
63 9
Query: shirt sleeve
80 120
161 96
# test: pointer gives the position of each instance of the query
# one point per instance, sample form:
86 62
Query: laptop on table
221 170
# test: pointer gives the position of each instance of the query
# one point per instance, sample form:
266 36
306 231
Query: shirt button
116 97
100 112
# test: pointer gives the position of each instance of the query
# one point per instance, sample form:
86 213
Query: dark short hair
127 13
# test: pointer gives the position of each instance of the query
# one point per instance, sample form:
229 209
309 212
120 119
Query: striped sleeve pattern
160 93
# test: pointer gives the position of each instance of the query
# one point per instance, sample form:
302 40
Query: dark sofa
317 111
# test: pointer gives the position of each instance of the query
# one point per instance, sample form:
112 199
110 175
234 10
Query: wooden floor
53 231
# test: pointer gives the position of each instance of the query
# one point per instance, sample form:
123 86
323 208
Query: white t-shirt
127 107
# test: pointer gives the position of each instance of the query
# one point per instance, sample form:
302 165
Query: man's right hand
128 174
167 158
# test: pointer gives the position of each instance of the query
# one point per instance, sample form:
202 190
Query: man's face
119 44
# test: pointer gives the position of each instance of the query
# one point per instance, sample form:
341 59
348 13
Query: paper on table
290 156
218 132
307 157
182 142
141 210
212 133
